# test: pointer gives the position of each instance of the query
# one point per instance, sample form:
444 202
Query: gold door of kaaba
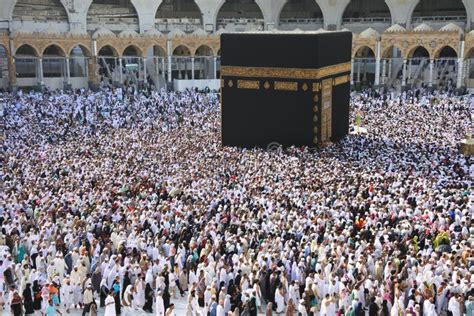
326 112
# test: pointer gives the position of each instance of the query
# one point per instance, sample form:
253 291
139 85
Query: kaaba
285 88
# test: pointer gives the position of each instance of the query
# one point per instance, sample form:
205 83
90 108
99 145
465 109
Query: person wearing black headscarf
373 307
28 300
148 307
359 311
36 295
104 291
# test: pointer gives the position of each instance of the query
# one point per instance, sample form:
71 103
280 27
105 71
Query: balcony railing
302 21
239 21
420 19
384 19
184 24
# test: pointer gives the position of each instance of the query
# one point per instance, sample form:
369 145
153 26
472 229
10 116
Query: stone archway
54 62
107 58
446 66
301 14
181 60
418 63
203 62
158 61
26 61
359 13
131 66
392 66
240 15
4 75
469 69
364 67
178 14
78 61
113 15
42 15
439 13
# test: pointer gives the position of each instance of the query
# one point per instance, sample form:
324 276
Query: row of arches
119 12
416 52
132 65
418 67
54 50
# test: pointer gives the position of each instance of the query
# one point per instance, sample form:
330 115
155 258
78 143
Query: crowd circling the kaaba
120 202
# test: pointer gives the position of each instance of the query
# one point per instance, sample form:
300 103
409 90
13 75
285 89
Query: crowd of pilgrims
120 203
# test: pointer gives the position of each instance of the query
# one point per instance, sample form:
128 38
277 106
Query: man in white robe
67 294
454 306
280 302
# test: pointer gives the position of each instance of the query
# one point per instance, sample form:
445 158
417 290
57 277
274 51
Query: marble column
40 72
404 73
409 72
430 80
170 78
389 76
358 71
144 70
67 80
459 81
11 71
215 67
120 70
352 71
384 66
377 65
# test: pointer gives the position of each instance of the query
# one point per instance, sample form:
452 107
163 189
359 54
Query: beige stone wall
469 46
5 42
41 41
141 43
194 42
407 42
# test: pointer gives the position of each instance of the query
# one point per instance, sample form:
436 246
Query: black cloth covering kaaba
285 88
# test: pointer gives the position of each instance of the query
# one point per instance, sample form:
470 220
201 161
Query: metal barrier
26 67
420 19
302 21
53 67
368 20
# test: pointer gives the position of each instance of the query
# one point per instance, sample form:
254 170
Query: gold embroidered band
341 80
248 84
285 73
286 85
